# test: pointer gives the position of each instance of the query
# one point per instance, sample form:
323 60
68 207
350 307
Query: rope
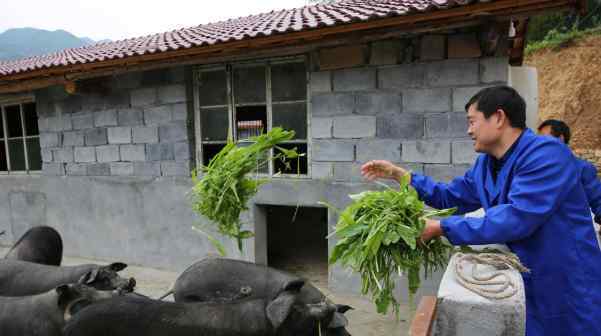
497 285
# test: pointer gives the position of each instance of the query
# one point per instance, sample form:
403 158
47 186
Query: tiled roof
243 28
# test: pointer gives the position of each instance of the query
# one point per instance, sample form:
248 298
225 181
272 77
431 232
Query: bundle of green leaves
379 237
226 185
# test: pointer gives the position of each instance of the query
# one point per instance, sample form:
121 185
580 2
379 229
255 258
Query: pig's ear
89 277
65 295
118 266
279 309
343 308
294 285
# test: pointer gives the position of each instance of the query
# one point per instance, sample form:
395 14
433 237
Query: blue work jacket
538 207
592 186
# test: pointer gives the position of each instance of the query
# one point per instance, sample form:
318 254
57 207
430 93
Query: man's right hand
382 169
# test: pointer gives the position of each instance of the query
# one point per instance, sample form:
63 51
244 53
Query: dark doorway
296 241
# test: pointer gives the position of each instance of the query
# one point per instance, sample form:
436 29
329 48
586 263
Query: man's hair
558 128
492 99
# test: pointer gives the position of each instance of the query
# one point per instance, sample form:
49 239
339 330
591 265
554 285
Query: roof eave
37 79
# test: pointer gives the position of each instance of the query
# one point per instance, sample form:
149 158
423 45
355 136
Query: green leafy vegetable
378 237
225 187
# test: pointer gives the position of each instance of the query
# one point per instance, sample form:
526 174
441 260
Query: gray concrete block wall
99 134
404 103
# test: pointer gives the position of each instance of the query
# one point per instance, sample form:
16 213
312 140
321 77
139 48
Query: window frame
20 101
231 107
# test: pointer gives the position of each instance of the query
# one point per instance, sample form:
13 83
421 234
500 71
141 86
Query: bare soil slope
570 88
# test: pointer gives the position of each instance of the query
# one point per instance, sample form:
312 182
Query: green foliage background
550 30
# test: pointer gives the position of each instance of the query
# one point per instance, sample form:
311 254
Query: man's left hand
432 230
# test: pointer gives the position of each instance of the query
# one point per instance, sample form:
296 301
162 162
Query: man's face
484 132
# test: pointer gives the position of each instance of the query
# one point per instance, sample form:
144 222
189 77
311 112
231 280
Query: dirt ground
569 87
363 320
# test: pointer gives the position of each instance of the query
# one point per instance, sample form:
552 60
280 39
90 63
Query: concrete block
355 127
85 154
173 132
119 135
44 104
321 128
361 79
332 104
76 169
50 140
95 137
427 100
446 125
463 152
347 172
73 104
63 155
108 153
376 103
400 126
130 117
434 151
116 99
462 95
143 134
432 47
379 149
155 77
333 150
385 52
322 170
175 93
157 115
342 57
56 92
402 76
444 172
321 81
105 118
75 138
131 80
147 169
143 97
132 152
181 151
67 122
464 46
53 169
99 169
160 152
82 121
170 168
176 75
54 124
452 73
46 155
179 111
42 123
494 70
122 168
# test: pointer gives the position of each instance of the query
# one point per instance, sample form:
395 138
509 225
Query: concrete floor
363 320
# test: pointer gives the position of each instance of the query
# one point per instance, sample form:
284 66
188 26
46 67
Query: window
244 100
19 138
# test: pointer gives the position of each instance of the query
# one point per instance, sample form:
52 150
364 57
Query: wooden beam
424 317
408 23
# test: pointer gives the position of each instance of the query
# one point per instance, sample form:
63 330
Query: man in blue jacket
590 181
530 189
